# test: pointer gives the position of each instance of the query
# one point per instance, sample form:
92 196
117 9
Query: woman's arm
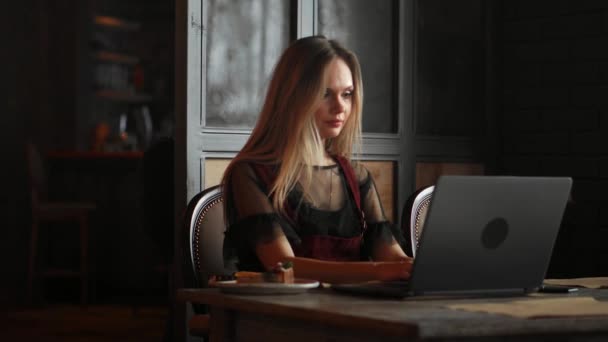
279 250
385 246
389 251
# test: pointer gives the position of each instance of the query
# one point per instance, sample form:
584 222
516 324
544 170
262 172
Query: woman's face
336 105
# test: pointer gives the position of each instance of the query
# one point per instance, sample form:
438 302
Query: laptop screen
488 233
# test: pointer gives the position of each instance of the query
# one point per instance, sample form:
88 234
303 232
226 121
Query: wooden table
324 315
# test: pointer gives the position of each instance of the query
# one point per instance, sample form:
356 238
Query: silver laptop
484 235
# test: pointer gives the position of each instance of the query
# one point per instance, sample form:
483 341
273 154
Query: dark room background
553 118
68 72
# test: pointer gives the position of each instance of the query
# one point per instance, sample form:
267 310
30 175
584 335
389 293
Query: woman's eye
348 94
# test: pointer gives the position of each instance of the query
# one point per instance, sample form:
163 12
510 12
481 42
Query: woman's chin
331 134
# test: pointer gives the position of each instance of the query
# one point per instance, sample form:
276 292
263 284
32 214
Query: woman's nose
338 105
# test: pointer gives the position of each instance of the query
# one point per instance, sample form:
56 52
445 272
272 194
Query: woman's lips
334 123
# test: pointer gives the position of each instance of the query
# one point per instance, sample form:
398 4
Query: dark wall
19 98
37 84
554 118
37 91
545 68
450 68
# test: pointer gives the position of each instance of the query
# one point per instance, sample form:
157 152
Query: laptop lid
489 234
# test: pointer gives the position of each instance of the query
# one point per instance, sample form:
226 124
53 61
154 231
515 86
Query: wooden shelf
114 57
123 96
116 23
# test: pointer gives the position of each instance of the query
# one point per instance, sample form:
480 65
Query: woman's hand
394 270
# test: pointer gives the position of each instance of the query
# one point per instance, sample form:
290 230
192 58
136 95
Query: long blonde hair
285 134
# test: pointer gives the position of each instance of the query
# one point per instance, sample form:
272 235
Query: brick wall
554 118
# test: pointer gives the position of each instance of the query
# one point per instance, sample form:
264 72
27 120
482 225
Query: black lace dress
329 210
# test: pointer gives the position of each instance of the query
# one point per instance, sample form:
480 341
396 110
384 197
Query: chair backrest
413 217
205 226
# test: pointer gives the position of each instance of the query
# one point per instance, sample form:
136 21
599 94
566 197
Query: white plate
299 286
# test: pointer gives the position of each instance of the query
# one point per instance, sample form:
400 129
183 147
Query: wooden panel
214 171
428 173
383 173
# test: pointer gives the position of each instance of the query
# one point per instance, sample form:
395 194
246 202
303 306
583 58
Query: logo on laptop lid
495 233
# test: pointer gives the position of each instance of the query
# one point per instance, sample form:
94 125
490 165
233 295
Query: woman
292 193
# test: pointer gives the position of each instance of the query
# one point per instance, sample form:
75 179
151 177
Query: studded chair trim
418 215
204 202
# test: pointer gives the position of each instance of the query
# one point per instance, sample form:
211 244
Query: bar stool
60 213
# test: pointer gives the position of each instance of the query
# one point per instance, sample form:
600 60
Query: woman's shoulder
243 171
249 166
241 168
363 174
252 170
253 164
360 170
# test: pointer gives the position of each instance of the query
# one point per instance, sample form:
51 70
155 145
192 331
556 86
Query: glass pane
368 28
244 41
450 68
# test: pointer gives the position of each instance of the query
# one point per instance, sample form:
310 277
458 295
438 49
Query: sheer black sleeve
379 229
251 218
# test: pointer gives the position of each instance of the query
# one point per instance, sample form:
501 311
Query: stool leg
32 260
84 243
